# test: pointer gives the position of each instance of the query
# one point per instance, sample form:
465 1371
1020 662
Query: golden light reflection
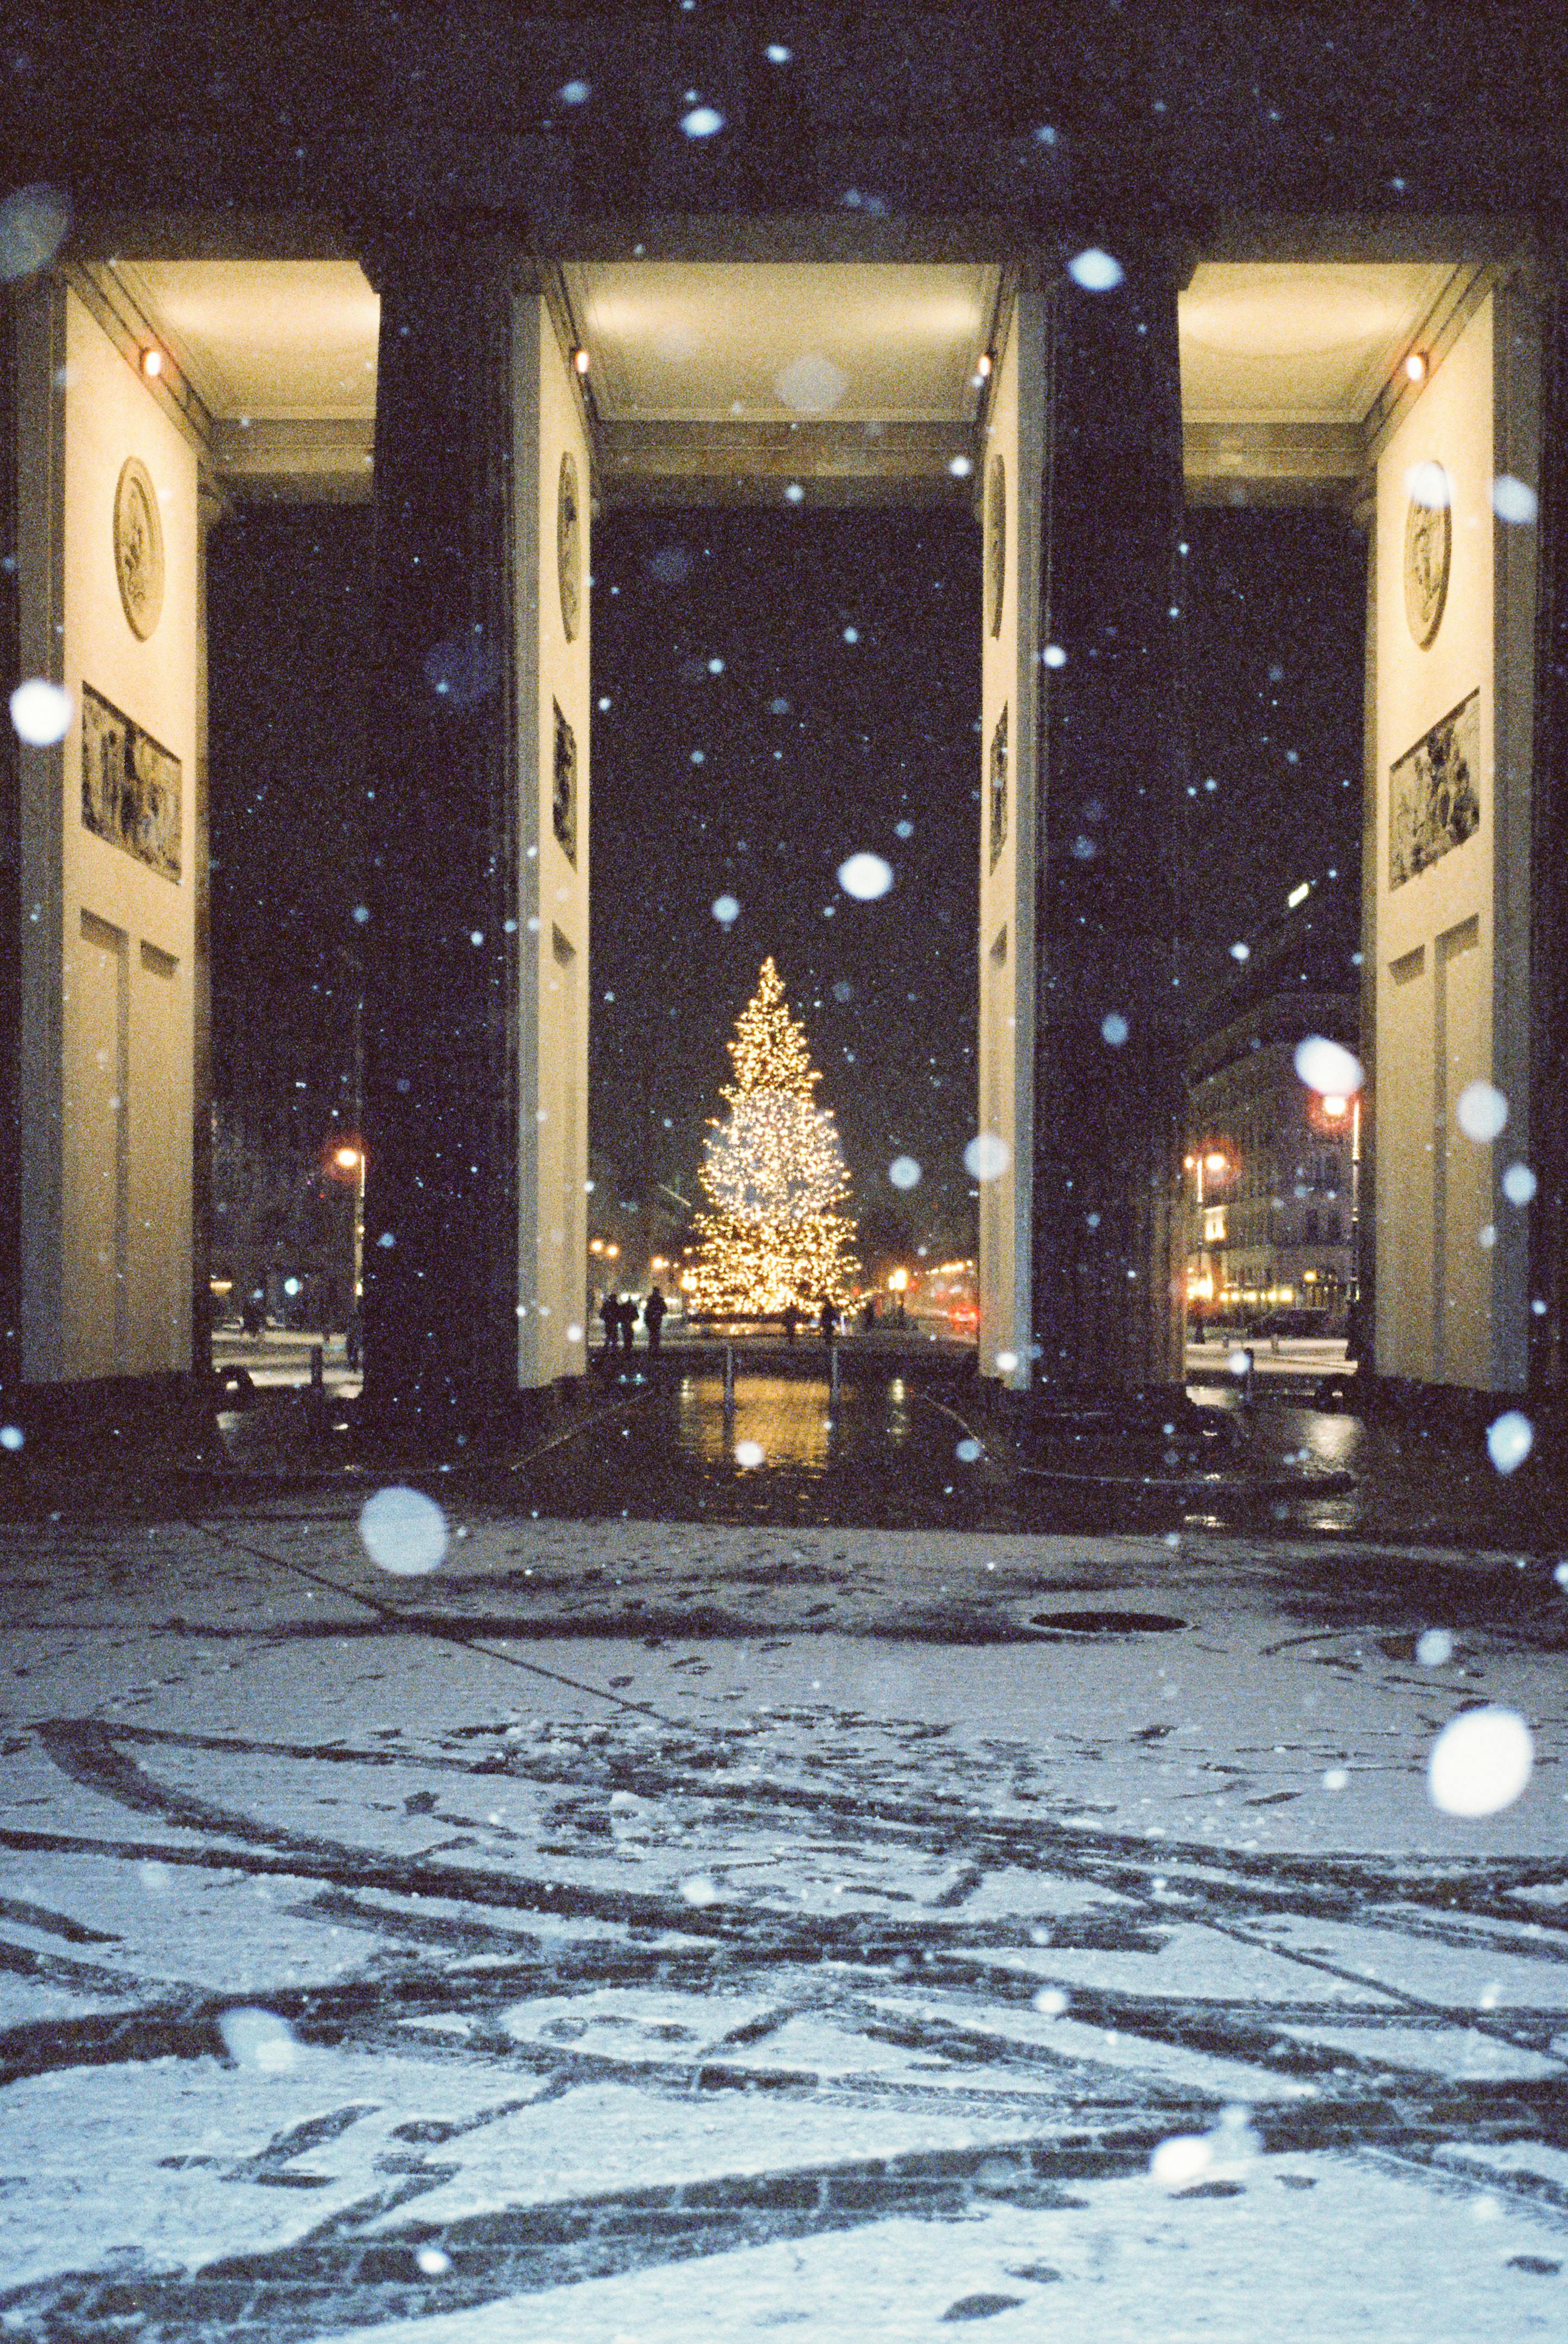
788 1419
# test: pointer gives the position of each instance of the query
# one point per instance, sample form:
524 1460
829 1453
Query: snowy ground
638 1931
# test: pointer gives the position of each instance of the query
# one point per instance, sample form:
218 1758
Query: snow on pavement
676 1927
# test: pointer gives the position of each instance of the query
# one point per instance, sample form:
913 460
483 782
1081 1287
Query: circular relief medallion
138 547
569 547
995 542
1429 545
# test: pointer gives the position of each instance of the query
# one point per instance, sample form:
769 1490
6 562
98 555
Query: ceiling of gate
724 381
1286 365
282 355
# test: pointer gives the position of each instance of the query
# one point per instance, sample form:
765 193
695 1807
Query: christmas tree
774 1171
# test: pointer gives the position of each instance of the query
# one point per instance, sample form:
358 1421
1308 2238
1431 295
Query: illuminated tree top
769 1052
774 1172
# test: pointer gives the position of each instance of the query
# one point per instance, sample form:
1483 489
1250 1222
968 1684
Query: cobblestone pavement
641 1928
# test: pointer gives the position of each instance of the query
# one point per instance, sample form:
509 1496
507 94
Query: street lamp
1335 1109
1214 1161
349 1159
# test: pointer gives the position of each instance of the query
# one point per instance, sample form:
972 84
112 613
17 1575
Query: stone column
1548 1326
209 509
10 867
1109 1025
442 780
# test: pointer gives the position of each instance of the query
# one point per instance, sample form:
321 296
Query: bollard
316 1398
729 1380
833 1375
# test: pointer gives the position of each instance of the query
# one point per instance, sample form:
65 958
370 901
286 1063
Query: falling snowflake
404 1532
1514 500
987 1156
1095 271
866 877
34 224
1327 1067
1481 1112
258 2039
1510 1438
1481 1763
40 712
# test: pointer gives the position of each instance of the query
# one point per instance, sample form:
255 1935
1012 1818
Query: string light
775 1172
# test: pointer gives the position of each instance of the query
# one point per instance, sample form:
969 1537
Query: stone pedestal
1109 1027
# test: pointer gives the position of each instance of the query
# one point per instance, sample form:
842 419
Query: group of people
618 1315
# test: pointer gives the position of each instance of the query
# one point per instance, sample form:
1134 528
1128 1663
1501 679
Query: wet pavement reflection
883 1453
903 1449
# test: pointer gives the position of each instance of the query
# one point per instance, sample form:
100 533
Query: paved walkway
640 1928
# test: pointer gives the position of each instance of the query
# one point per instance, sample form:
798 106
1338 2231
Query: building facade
1274 1173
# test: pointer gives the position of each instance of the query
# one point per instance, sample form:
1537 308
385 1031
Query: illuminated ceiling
1285 364
724 381
293 340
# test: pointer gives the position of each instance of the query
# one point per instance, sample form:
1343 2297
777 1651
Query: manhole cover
1107 1623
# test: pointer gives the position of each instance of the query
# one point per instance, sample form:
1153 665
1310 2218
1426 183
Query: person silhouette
791 1321
654 1311
827 1318
626 1312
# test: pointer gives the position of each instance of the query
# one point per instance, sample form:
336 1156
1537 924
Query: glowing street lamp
349 1158
1335 1109
1217 1164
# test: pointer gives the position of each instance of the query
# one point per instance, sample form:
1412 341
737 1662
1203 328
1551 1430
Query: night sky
844 705
841 719
1277 611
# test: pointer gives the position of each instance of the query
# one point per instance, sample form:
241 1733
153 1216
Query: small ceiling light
152 363
983 365
580 361
1415 367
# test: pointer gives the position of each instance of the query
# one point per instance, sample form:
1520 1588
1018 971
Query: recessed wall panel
96 1131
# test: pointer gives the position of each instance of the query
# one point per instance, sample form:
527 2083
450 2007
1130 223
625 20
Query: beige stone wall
109 940
1010 681
553 897
1451 980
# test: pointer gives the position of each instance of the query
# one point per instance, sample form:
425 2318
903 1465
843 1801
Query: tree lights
774 1174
